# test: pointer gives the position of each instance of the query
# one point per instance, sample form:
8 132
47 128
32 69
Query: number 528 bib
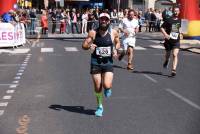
103 51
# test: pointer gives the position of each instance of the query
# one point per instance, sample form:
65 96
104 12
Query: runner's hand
167 36
115 53
92 47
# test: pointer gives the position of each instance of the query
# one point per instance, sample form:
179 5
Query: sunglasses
104 19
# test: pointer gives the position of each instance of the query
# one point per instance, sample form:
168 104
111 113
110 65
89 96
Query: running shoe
130 67
99 111
173 74
165 64
107 93
121 55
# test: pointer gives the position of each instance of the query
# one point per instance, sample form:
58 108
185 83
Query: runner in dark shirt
103 44
171 31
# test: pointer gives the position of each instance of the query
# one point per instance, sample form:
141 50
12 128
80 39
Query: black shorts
169 45
99 69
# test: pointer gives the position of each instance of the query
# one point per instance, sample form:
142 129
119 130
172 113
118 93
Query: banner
11 35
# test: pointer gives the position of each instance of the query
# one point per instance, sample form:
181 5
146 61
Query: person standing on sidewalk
103 45
129 27
171 31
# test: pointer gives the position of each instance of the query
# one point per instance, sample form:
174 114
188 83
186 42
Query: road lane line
13 86
157 46
71 49
9 65
7 97
10 91
19 74
15 82
139 48
17 78
24 64
22 67
150 78
183 98
147 76
7 84
21 70
1 112
47 50
3 104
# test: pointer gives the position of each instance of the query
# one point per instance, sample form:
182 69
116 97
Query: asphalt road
45 88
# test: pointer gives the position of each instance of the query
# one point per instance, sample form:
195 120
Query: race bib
174 35
103 51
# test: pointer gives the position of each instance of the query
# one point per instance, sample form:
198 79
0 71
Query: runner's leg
175 58
107 83
97 80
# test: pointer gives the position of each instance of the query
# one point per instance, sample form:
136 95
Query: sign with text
12 35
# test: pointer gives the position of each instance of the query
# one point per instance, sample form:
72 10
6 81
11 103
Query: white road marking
43 50
22 67
139 48
21 70
6 84
7 97
15 51
13 86
183 98
71 49
15 82
10 91
24 64
17 78
157 46
1 112
9 65
3 104
19 74
150 78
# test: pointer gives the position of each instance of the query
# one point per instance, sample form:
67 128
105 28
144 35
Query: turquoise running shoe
99 111
107 93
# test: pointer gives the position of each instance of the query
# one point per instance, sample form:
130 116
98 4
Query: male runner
103 44
171 31
129 27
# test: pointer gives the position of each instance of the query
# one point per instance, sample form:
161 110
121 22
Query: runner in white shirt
129 27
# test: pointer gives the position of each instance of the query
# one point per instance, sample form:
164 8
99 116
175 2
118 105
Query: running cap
104 15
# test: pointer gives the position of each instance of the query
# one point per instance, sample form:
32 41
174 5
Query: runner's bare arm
116 39
166 36
89 40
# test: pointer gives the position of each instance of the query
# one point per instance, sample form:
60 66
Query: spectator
44 22
53 19
84 21
32 15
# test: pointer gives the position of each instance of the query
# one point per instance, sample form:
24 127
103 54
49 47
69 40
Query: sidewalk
186 45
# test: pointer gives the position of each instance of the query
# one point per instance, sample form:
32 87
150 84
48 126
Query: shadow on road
150 72
74 109
116 66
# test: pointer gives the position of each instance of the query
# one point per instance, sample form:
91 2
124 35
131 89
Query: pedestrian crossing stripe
15 51
71 49
48 50
139 48
157 46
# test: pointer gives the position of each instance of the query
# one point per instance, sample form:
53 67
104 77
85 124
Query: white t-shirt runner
130 26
